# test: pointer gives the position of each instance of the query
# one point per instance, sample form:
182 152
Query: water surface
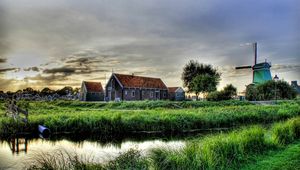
15 152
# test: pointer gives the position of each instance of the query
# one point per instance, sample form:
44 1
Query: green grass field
287 158
90 118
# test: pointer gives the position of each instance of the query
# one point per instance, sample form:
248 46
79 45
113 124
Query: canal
16 152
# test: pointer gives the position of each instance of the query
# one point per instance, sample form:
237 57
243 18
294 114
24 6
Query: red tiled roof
93 86
132 81
172 89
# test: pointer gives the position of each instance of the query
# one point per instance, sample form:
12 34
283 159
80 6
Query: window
164 94
143 93
126 92
132 93
151 94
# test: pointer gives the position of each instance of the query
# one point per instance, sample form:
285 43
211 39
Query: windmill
260 71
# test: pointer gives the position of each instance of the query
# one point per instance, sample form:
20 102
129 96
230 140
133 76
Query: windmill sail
243 67
261 71
255 52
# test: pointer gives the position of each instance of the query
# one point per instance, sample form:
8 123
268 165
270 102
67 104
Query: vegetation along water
239 149
102 119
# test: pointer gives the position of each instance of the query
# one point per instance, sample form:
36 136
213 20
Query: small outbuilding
176 93
91 91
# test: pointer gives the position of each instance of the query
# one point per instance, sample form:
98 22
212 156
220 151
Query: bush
226 94
267 91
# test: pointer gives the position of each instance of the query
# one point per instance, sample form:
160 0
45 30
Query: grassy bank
288 158
107 122
250 148
229 151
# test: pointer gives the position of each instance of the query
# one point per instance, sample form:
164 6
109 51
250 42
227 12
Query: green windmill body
261 71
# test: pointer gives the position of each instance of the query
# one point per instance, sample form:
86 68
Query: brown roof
93 86
132 81
172 89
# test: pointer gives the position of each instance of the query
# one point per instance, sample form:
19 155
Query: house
131 87
91 91
176 93
295 85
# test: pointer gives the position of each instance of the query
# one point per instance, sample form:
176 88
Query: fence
12 110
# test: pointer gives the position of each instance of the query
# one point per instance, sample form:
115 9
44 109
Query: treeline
270 90
203 79
44 92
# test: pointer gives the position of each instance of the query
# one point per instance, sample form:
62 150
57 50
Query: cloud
4 84
46 79
3 60
36 69
79 60
79 38
4 45
62 70
286 67
8 69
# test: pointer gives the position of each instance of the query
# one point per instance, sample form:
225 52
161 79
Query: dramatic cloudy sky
62 42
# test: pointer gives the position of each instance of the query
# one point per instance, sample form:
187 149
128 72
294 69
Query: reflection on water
15 151
17 145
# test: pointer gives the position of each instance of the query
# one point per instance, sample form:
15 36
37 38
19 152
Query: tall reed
228 151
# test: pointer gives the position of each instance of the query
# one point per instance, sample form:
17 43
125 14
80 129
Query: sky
60 43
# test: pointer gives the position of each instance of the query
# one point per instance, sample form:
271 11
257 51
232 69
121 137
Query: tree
251 92
203 84
227 93
28 90
64 91
200 78
76 90
266 91
47 91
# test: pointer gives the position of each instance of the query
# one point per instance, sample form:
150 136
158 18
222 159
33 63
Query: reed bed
139 105
114 122
228 151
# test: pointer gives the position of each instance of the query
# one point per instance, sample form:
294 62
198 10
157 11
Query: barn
130 87
91 91
176 93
